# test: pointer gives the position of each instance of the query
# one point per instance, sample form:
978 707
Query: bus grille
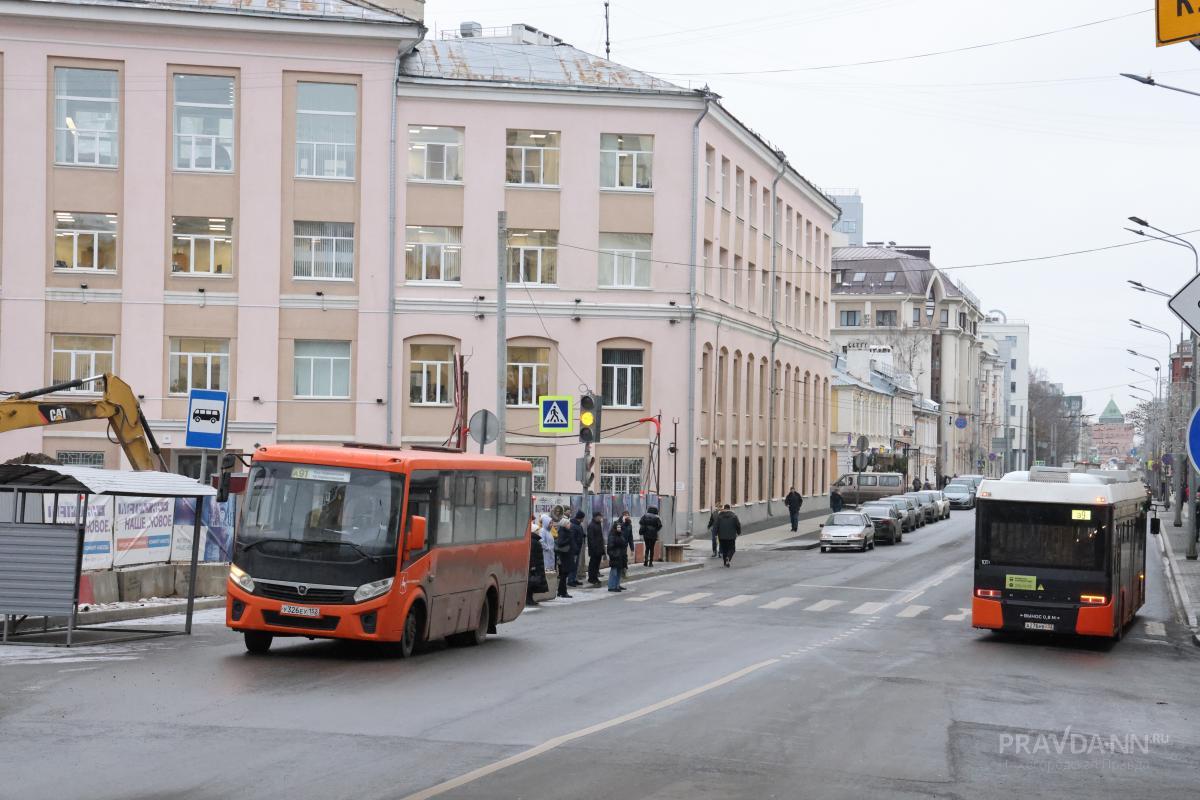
279 591
308 623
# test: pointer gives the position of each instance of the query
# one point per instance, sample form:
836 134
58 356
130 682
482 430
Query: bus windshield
356 511
1042 535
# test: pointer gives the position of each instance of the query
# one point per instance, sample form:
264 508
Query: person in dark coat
916 484
563 550
627 531
577 537
537 569
595 548
728 528
712 529
836 503
649 526
794 501
618 556
926 486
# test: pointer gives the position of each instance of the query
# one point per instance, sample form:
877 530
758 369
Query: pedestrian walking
927 485
728 528
916 484
618 556
712 529
794 501
577 539
595 548
649 526
537 568
836 503
564 549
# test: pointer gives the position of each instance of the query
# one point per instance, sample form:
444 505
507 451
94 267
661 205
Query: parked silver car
909 521
960 495
846 530
925 506
888 521
943 504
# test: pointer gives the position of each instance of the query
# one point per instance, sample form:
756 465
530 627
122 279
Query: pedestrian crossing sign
555 414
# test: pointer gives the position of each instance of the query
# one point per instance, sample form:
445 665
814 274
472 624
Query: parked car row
961 490
885 518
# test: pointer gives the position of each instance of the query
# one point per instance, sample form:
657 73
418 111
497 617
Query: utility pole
606 42
1192 528
501 325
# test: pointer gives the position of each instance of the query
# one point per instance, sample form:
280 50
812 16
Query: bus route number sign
1084 514
1025 583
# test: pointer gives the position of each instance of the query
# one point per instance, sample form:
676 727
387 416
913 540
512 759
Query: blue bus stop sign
206 420
1193 438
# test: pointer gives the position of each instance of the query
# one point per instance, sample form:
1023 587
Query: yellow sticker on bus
1027 583
1084 514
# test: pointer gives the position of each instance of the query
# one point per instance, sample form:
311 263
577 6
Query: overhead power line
913 57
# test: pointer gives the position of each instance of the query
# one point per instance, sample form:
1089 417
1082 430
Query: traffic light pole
501 326
584 503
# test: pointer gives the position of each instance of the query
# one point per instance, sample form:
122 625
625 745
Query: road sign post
1176 21
484 427
554 414
206 419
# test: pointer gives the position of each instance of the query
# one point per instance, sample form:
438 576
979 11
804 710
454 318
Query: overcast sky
1006 152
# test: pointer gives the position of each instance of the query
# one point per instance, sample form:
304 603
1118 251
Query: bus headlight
241 578
372 589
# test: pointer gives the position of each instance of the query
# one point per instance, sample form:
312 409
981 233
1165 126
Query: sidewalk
778 537
1183 575
636 572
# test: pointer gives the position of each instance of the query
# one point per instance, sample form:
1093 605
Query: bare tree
908 350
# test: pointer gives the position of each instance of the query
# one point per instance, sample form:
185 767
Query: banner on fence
142 530
98 533
216 527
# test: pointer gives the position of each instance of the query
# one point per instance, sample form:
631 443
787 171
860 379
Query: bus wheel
474 637
410 639
257 642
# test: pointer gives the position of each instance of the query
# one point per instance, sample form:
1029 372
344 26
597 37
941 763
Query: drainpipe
391 257
775 327
691 416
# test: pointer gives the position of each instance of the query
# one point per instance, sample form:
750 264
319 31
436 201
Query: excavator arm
118 405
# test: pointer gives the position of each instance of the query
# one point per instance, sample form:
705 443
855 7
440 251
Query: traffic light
589 418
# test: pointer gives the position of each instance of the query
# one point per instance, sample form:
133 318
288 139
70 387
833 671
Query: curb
1178 590
136 612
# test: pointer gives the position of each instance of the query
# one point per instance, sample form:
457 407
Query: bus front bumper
374 620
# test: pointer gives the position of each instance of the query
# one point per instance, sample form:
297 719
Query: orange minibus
378 544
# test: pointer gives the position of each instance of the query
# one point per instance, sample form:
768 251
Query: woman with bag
563 548
537 567
618 557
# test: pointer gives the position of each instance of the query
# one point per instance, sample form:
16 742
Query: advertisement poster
216 528
142 530
98 534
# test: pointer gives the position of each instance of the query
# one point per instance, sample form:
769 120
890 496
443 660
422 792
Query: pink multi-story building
214 196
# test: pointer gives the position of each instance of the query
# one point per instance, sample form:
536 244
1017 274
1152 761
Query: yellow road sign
1176 21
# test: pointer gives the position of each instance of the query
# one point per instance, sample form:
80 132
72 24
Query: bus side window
524 502
508 526
464 508
487 520
445 518
422 494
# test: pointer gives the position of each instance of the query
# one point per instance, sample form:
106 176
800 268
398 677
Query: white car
848 530
960 495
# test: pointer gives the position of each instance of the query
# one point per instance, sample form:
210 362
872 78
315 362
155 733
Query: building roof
1111 414
559 66
326 10
90 480
909 274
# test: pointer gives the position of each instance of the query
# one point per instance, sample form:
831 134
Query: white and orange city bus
1058 551
378 544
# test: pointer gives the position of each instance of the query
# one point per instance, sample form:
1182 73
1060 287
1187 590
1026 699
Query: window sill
186 171
327 280
81 271
335 178
532 285
421 282
626 288
430 405
546 187
433 182
319 397
113 167
224 276
624 190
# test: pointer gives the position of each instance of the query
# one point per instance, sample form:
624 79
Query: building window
75 356
621 377
733 481
916 318
1012 410
435 153
199 364
532 158
849 319
620 475
626 161
326 130
204 123
944 318
739 190
541 471
725 196
430 375
80 458
1012 387
703 482
85 241
85 117
962 320
889 277
1012 363
625 260
710 180
532 257
528 375
202 245
885 319
323 250
321 369
433 254
859 277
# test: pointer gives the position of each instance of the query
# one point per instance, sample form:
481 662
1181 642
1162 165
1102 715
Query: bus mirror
416 533
1155 525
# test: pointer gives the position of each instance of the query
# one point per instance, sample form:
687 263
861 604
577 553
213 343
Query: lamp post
1146 79
1172 238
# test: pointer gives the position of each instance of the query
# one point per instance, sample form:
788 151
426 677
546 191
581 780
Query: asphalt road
792 674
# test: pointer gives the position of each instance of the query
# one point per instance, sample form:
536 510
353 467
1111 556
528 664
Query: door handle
430 578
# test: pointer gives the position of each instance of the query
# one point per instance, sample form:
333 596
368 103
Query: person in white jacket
547 542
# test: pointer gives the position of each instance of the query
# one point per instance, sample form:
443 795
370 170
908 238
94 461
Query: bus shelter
41 555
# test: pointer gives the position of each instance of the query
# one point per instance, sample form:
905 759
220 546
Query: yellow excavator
117 404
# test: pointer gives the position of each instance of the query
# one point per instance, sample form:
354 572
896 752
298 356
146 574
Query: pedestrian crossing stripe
555 416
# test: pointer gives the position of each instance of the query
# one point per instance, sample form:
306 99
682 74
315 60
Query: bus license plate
1039 626
302 611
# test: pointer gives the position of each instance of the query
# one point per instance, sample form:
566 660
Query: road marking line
641 598
1156 628
861 588
691 598
935 580
959 617
782 602
558 741
823 605
913 611
736 600
869 608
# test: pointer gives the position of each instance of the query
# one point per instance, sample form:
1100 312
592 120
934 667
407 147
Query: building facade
1012 340
850 224
1112 436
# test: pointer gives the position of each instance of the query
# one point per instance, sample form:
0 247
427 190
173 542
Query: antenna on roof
606 41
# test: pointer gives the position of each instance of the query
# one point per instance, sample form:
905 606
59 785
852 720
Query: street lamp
1140 389
1158 363
1146 79
1141 287
1144 327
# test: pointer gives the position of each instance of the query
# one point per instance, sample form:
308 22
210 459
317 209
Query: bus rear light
1100 501
1093 599
991 594
985 494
